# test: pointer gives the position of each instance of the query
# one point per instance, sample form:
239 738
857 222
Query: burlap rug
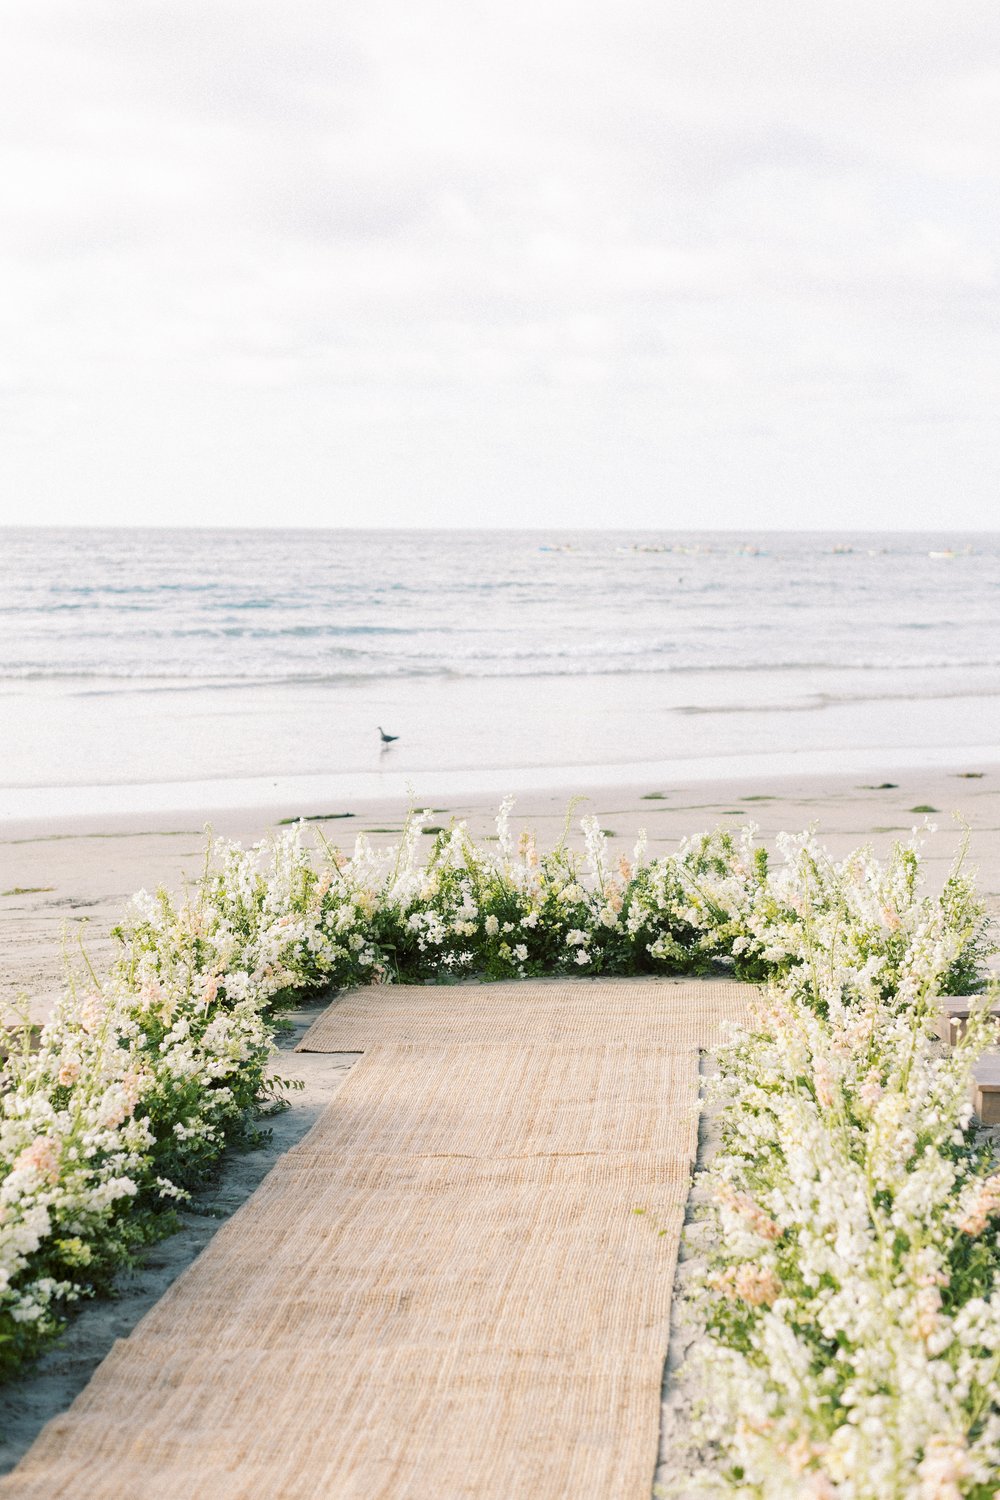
666 1013
457 1285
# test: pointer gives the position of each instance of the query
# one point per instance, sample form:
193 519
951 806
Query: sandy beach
65 880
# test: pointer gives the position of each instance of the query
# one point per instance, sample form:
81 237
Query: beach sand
67 879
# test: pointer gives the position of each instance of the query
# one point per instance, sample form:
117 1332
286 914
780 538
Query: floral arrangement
846 1306
849 1309
140 1080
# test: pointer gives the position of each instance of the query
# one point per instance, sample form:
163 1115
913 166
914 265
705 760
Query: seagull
387 739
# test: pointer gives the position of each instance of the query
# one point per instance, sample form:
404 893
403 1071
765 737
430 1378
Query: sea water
187 659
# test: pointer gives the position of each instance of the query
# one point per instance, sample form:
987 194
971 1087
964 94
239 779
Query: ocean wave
818 702
163 611
146 680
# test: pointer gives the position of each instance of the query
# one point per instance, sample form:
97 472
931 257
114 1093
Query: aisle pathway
457 1285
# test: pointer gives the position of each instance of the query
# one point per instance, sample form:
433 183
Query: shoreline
208 746
23 808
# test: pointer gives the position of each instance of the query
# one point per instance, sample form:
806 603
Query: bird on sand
387 739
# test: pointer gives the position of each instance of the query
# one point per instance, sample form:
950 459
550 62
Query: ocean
193 661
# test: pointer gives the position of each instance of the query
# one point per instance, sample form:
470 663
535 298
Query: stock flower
984 1203
42 1156
92 1014
757 1220
944 1465
758 1286
870 1091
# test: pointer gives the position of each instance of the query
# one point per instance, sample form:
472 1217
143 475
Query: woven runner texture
655 1012
457 1285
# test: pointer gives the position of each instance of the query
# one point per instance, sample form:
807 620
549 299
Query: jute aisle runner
457 1285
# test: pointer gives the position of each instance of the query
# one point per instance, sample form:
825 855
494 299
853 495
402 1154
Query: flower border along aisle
847 1311
850 1306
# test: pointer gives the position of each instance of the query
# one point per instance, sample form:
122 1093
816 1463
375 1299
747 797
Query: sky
545 262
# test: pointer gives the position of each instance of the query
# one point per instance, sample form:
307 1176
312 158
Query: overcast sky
443 262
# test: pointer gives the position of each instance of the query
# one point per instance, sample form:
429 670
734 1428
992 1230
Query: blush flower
944 1466
758 1286
985 1202
42 1156
92 1014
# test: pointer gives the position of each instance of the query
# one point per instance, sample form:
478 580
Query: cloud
422 258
